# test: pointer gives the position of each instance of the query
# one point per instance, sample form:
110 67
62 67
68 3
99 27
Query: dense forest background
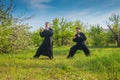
15 35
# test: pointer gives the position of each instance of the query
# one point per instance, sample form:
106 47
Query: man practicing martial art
46 46
80 45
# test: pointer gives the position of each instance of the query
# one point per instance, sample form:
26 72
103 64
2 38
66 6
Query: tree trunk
118 40
117 37
62 41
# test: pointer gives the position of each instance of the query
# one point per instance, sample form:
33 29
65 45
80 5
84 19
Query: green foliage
20 38
36 39
5 31
115 20
14 37
110 37
97 35
64 31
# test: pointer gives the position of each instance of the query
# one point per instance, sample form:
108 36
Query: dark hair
78 28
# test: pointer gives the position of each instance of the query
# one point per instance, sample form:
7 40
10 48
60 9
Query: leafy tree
13 36
66 29
63 31
20 38
5 13
57 32
5 22
16 37
97 35
115 28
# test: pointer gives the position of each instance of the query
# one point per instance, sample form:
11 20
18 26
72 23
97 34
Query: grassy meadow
103 64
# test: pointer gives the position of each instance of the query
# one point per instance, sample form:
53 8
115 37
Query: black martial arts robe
46 48
80 45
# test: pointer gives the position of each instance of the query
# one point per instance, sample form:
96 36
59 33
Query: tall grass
103 64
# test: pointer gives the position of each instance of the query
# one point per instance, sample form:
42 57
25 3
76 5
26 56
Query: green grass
103 64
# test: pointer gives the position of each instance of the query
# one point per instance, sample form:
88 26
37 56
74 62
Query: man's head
47 25
77 29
